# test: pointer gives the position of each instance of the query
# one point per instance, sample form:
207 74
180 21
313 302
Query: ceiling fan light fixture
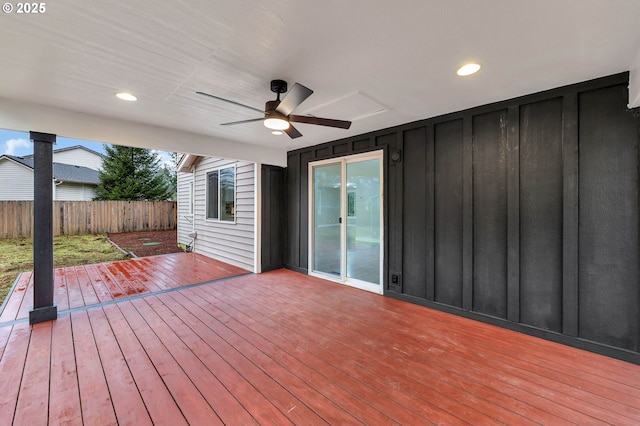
126 96
278 113
468 69
276 123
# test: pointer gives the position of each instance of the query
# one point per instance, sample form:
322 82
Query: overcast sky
18 144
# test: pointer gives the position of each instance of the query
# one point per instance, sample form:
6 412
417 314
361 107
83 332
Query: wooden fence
89 217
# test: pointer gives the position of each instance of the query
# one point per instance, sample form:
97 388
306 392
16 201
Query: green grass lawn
16 255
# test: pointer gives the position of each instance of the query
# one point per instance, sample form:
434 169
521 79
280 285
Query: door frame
343 279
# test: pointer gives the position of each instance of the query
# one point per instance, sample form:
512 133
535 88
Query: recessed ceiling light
126 96
276 132
468 69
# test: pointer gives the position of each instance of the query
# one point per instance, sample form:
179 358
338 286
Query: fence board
89 217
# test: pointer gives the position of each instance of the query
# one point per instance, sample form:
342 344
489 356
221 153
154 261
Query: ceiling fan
277 113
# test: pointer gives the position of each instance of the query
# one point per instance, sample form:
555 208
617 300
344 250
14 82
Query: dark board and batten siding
540 197
490 213
273 229
609 289
522 213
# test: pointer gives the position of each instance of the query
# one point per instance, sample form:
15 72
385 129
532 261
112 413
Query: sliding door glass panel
363 220
326 219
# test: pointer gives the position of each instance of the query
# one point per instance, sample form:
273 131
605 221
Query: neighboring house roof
63 172
70 148
71 173
186 161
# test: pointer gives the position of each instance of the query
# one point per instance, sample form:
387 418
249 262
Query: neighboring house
217 209
77 155
71 182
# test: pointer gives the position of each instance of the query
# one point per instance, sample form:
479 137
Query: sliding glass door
345 212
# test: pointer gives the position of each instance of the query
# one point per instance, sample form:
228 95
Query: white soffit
24 116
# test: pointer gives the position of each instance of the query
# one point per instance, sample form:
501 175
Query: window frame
192 200
208 193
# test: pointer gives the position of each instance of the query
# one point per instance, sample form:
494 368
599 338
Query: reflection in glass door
363 220
327 181
346 220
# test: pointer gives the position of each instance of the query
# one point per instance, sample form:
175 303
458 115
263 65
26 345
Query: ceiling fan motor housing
278 86
270 110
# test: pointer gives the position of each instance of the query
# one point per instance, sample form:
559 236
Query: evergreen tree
170 173
132 174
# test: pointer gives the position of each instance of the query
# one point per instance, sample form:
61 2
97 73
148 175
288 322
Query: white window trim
191 196
235 195
343 279
257 225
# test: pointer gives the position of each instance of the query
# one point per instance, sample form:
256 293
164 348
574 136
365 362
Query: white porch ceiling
380 63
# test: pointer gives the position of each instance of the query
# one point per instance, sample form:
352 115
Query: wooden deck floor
284 348
86 285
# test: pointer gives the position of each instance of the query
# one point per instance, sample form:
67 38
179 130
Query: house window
221 194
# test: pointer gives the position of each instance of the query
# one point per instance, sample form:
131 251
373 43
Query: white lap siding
16 181
228 242
78 156
185 216
69 191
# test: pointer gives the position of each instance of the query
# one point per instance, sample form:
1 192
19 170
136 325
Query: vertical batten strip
430 210
570 215
513 214
467 215
257 225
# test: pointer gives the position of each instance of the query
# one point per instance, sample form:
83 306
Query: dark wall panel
448 212
292 258
415 205
608 217
490 213
541 214
393 201
305 159
273 214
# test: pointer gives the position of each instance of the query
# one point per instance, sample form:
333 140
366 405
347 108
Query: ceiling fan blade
233 123
295 97
231 102
341 124
292 132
